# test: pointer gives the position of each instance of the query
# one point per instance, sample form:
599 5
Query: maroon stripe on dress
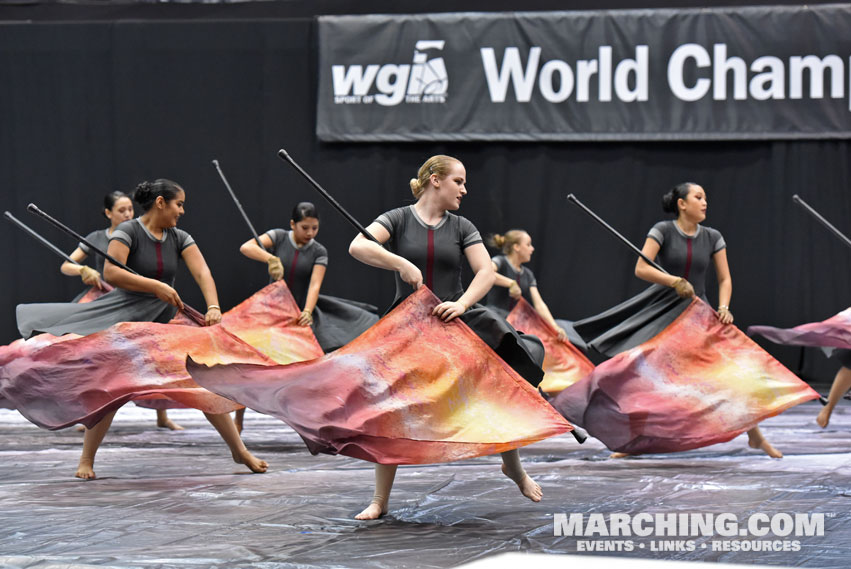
159 260
292 267
430 261
688 259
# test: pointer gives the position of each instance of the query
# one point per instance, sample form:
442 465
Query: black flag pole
574 200
34 234
32 208
282 154
238 205
50 246
842 237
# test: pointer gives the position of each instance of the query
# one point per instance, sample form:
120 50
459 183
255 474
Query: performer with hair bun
117 208
514 280
426 245
152 246
302 261
686 249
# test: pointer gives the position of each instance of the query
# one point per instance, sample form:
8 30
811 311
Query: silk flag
564 364
835 332
93 293
82 379
20 348
410 390
696 383
268 321
267 318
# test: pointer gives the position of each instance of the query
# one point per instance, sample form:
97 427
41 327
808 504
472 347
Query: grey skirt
337 321
633 321
118 305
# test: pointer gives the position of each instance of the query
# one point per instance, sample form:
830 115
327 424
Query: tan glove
276 268
514 290
90 276
683 288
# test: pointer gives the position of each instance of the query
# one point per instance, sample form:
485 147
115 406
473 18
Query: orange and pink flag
835 332
564 364
696 383
268 321
58 381
81 380
410 390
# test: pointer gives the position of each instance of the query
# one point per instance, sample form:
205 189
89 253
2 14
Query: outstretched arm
201 273
316 278
542 309
725 286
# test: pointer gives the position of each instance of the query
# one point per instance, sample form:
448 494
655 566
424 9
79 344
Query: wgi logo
423 81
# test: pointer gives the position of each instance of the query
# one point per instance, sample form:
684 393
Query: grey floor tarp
175 499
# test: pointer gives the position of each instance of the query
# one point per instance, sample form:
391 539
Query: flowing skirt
633 321
338 321
118 305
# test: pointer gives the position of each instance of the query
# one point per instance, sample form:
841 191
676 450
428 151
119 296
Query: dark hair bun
144 193
671 198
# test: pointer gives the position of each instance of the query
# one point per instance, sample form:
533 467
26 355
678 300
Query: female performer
426 246
335 321
685 248
117 208
302 261
514 281
152 246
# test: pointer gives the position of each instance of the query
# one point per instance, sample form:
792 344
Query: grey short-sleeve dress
638 319
498 298
336 321
438 251
148 256
99 239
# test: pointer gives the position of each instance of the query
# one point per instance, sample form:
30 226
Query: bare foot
759 442
372 512
528 487
619 455
168 424
823 417
85 470
253 463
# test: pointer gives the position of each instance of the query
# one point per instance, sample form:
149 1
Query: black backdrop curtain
90 107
